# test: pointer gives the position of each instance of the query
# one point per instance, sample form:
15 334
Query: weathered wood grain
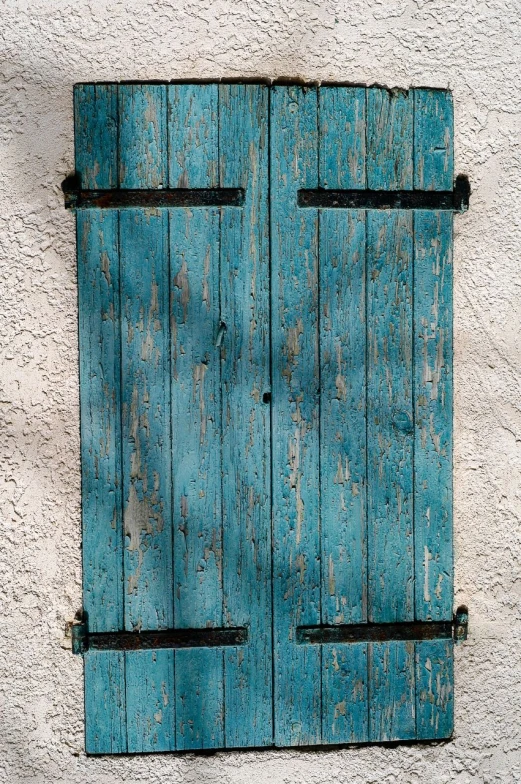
342 154
245 309
146 437
392 707
142 136
193 130
96 135
389 139
354 319
105 706
390 417
100 401
434 689
150 701
433 161
433 140
342 137
344 693
433 413
295 415
343 417
196 414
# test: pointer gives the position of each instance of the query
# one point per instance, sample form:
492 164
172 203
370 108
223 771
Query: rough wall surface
47 45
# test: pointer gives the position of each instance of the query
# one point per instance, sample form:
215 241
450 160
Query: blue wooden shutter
266 436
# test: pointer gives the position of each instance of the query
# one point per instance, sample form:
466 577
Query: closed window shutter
266 415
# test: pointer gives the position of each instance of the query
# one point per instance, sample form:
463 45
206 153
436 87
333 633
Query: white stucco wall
45 46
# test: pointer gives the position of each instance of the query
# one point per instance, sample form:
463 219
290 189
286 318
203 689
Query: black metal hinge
456 200
78 199
456 630
83 640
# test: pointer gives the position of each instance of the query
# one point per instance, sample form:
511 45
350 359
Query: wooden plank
433 140
342 131
150 701
390 417
343 416
193 135
146 438
392 710
95 114
142 136
100 400
434 689
389 139
245 304
390 469
295 415
196 415
433 412
343 468
105 712
146 420
96 134
199 699
344 693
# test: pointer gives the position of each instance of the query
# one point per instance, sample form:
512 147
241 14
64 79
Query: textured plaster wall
45 46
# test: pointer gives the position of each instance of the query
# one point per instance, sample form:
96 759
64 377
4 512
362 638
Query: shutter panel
361 363
176 490
266 415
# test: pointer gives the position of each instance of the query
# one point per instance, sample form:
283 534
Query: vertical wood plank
342 416
390 469
434 689
295 415
433 140
392 707
146 419
95 114
196 414
343 467
146 437
342 157
344 693
193 135
433 412
100 401
105 722
342 134
142 136
196 418
199 699
389 139
243 131
150 701
96 135
390 417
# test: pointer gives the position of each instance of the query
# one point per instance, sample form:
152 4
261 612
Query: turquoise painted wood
145 415
196 414
343 455
433 140
305 460
95 109
433 167
246 469
295 416
390 438
434 689
390 139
